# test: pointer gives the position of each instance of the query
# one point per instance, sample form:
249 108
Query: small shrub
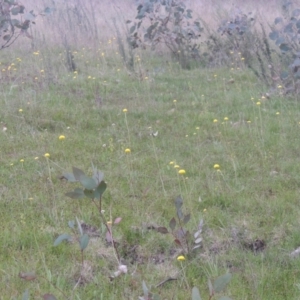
168 23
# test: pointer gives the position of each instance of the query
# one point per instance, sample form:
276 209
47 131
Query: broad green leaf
284 47
49 297
132 29
284 75
296 12
77 173
179 213
145 290
186 218
178 202
15 22
88 182
71 224
100 190
76 194
69 176
61 238
89 193
48 10
195 294
79 227
84 241
172 224
25 296
98 176
273 35
16 10
162 230
6 37
221 282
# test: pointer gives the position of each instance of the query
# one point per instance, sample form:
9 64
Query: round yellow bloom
47 155
180 258
181 172
258 103
22 160
278 113
20 110
171 162
127 150
176 166
174 100
204 210
226 119
215 121
61 137
125 110
216 166
36 158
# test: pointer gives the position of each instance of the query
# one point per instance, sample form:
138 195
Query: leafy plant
238 33
182 237
82 238
147 295
10 27
285 34
169 23
93 188
217 286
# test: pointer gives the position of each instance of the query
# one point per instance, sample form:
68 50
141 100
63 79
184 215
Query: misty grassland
239 150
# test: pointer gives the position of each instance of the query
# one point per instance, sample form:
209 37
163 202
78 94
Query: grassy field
238 148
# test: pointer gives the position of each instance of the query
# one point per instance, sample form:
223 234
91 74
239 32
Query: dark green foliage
11 28
182 237
168 23
219 285
285 35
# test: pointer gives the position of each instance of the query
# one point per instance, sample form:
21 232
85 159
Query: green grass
254 195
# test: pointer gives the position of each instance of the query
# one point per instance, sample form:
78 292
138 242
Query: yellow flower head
215 121
20 110
176 166
181 172
216 166
226 119
180 258
125 110
258 103
171 162
47 155
61 137
174 100
278 113
127 150
22 160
